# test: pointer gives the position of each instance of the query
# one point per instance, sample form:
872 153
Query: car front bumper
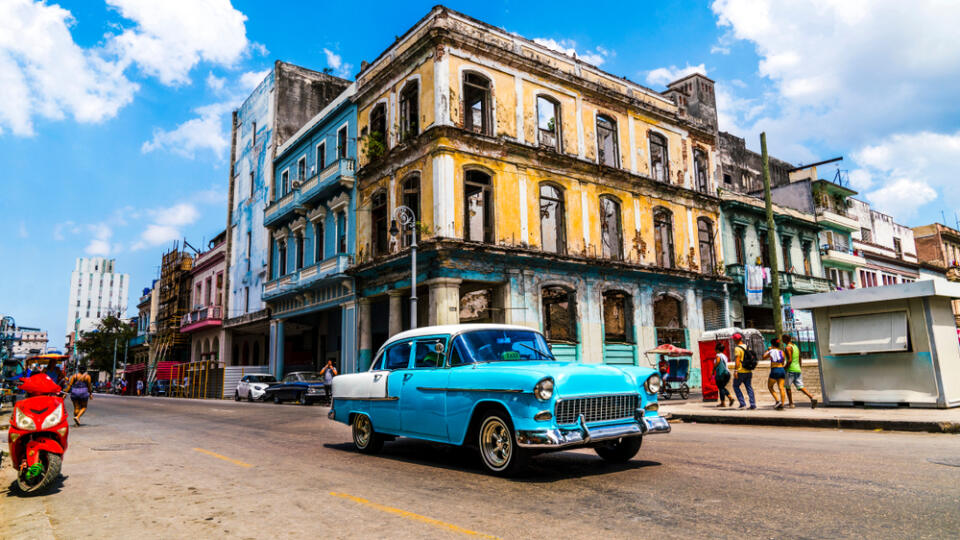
582 435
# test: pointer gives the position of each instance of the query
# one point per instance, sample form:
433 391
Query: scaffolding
174 302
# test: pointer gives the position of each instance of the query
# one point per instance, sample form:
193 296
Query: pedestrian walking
745 362
777 373
794 372
78 386
328 373
140 387
721 374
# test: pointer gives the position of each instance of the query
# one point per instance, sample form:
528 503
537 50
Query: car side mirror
438 347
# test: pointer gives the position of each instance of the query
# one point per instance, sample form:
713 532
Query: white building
33 341
96 291
888 248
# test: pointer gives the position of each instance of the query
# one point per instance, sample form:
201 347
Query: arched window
663 237
379 218
559 314
378 124
700 169
617 317
607 148
668 321
659 169
708 259
552 233
611 237
410 110
478 207
548 123
476 104
411 199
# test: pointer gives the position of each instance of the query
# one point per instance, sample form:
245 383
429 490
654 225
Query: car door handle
407 376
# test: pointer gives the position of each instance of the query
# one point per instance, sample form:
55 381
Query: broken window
410 110
299 252
379 215
321 156
705 239
607 141
663 237
478 207
617 317
411 199
552 234
559 314
342 142
611 238
476 104
700 168
658 158
548 129
668 321
378 125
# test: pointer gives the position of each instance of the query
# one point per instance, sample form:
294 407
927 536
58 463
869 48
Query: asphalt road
164 468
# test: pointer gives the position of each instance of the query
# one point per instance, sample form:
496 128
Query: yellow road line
410 515
225 458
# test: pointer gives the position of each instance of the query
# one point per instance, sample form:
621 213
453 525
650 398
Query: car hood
573 378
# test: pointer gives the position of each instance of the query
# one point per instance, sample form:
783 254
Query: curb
830 423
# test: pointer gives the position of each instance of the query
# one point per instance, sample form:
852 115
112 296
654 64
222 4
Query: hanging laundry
753 285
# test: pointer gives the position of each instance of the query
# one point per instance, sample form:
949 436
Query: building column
279 347
396 312
444 305
365 352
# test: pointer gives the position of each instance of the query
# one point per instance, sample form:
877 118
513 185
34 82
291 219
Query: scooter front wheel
50 473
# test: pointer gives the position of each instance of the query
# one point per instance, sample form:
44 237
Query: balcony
841 256
837 219
792 283
200 318
139 339
341 172
305 277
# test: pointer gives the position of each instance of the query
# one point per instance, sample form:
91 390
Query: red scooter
38 434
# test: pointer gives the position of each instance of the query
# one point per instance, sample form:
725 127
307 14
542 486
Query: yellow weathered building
548 193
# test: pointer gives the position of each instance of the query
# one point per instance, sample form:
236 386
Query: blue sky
113 115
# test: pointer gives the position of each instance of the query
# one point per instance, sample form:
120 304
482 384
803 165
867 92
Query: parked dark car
303 386
160 388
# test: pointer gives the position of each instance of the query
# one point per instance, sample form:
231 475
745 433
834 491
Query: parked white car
253 386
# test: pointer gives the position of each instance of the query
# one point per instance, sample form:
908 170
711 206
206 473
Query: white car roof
454 329
258 375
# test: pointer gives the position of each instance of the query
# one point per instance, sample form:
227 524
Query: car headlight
653 384
53 418
24 422
544 389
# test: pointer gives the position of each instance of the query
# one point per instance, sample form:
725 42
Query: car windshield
263 378
308 376
503 346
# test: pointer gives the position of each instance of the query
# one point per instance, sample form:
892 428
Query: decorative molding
339 202
298 225
317 214
280 233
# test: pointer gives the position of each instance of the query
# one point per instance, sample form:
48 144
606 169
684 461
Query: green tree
97 346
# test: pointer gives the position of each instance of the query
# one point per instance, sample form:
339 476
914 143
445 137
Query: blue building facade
312 239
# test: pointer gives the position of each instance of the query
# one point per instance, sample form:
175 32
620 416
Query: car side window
245 379
397 356
457 358
426 355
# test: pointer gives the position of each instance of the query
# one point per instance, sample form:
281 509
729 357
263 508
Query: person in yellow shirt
743 375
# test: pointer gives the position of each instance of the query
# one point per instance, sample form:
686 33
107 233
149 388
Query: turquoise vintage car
498 388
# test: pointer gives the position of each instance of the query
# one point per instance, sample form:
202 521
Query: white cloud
568 47
173 36
100 243
204 132
335 62
842 71
903 172
215 83
666 75
252 79
166 225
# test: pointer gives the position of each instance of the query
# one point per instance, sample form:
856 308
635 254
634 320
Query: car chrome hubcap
363 431
495 443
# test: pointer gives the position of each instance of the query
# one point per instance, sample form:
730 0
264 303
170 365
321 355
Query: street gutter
749 418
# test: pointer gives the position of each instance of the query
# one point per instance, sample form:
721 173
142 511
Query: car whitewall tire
497 445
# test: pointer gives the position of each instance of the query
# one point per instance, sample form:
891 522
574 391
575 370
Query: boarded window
476 101
659 169
617 317
663 237
610 230
607 152
713 314
411 199
379 215
668 321
876 332
705 239
410 110
478 207
559 314
548 128
552 234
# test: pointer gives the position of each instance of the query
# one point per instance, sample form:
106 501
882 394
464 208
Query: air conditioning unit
296 184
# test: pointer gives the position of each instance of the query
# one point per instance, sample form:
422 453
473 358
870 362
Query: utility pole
771 240
114 372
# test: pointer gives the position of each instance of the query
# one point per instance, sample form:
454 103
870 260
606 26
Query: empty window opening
617 317
663 237
478 206
559 314
476 100
658 158
611 239
411 199
552 234
548 128
410 110
700 170
705 239
607 152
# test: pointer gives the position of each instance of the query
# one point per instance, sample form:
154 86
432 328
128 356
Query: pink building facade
204 322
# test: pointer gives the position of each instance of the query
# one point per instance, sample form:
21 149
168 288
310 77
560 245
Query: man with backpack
746 362
794 373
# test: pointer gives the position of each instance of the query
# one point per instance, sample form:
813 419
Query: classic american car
303 386
498 388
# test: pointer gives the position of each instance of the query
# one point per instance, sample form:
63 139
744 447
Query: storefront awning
133 368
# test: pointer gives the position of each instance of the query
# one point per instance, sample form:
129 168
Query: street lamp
408 220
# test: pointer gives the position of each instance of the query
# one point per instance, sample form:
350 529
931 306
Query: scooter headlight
53 418
24 422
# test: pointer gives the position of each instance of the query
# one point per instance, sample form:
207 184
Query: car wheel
236 395
302 398
250 396
498 448
365 439
276 399
621 450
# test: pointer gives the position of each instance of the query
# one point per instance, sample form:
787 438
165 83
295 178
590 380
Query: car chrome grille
596 408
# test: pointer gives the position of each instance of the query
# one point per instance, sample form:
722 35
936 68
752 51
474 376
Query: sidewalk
901 419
